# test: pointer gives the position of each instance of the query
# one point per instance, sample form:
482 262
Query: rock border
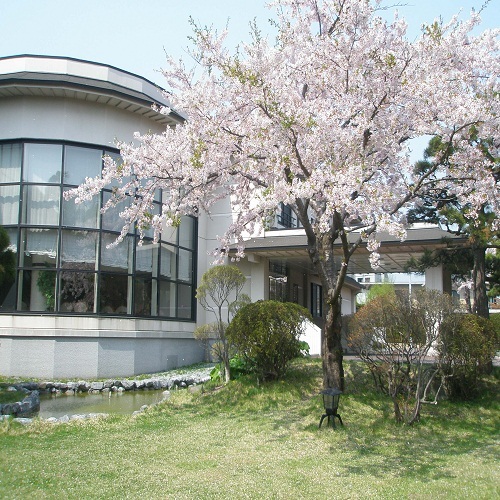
30 405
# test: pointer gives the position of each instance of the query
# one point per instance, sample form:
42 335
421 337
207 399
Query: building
78 308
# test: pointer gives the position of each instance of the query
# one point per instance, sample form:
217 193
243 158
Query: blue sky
133 34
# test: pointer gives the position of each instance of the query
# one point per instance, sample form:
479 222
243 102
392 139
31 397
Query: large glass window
10 162
9 204
8 288
119 258
42 163
80 163
67 261
41 205
84 214
316 300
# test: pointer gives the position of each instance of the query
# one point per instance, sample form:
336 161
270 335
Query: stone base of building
81 347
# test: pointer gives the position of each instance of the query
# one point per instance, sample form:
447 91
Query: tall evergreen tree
438 204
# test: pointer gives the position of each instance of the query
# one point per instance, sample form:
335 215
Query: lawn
248 441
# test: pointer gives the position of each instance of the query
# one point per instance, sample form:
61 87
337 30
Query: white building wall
66 119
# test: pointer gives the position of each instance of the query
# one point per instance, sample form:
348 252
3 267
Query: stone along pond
126 396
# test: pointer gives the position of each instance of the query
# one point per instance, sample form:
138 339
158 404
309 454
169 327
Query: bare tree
394 334
219 292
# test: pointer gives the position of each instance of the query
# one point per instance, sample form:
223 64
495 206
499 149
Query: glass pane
118 160
185 265
10 162
185 301
149 233
113 294
78 250
39 248
9 205
111 220
168 261
146 257
142 291
167 299
169 234
8 284
38 290
80 163
12 234
117 258
84 214
42 163
77 292
41 205
186 232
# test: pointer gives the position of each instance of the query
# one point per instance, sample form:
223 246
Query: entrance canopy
290 246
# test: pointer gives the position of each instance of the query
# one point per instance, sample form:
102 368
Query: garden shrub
467 345
266 334
238 365
394 334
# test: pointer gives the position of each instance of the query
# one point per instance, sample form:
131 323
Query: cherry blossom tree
319 118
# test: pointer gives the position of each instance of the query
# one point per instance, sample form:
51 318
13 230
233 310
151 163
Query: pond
113 402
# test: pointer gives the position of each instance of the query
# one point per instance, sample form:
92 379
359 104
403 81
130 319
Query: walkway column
259 268
438 278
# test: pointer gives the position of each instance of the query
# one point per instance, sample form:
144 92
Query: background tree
318 119
219 292
266 334
439 204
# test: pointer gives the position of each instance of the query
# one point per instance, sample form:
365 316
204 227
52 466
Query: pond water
112 402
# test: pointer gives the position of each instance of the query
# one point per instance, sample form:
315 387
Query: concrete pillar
259 278
438 278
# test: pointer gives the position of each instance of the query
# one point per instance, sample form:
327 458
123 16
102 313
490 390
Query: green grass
244 441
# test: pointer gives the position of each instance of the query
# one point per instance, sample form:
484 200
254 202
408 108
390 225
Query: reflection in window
41 205
111 220
8 285
80 163
316 300
144 257
167 261
82 214
38 290
78 249
9 205
142 295
63 263
39 247
185 301
167 299
113 294
117 258
185 265
42 163
10 162
77 292
186 232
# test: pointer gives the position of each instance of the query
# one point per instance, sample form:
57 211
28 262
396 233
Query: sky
134 35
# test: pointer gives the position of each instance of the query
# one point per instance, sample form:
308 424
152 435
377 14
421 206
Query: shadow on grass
447 431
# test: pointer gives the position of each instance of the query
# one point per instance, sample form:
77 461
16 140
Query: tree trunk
479 278
333 370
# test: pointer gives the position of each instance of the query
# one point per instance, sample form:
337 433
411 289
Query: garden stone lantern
331 402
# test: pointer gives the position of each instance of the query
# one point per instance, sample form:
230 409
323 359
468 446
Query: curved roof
51 76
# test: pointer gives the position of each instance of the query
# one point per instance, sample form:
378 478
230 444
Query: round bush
467 346
266 333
